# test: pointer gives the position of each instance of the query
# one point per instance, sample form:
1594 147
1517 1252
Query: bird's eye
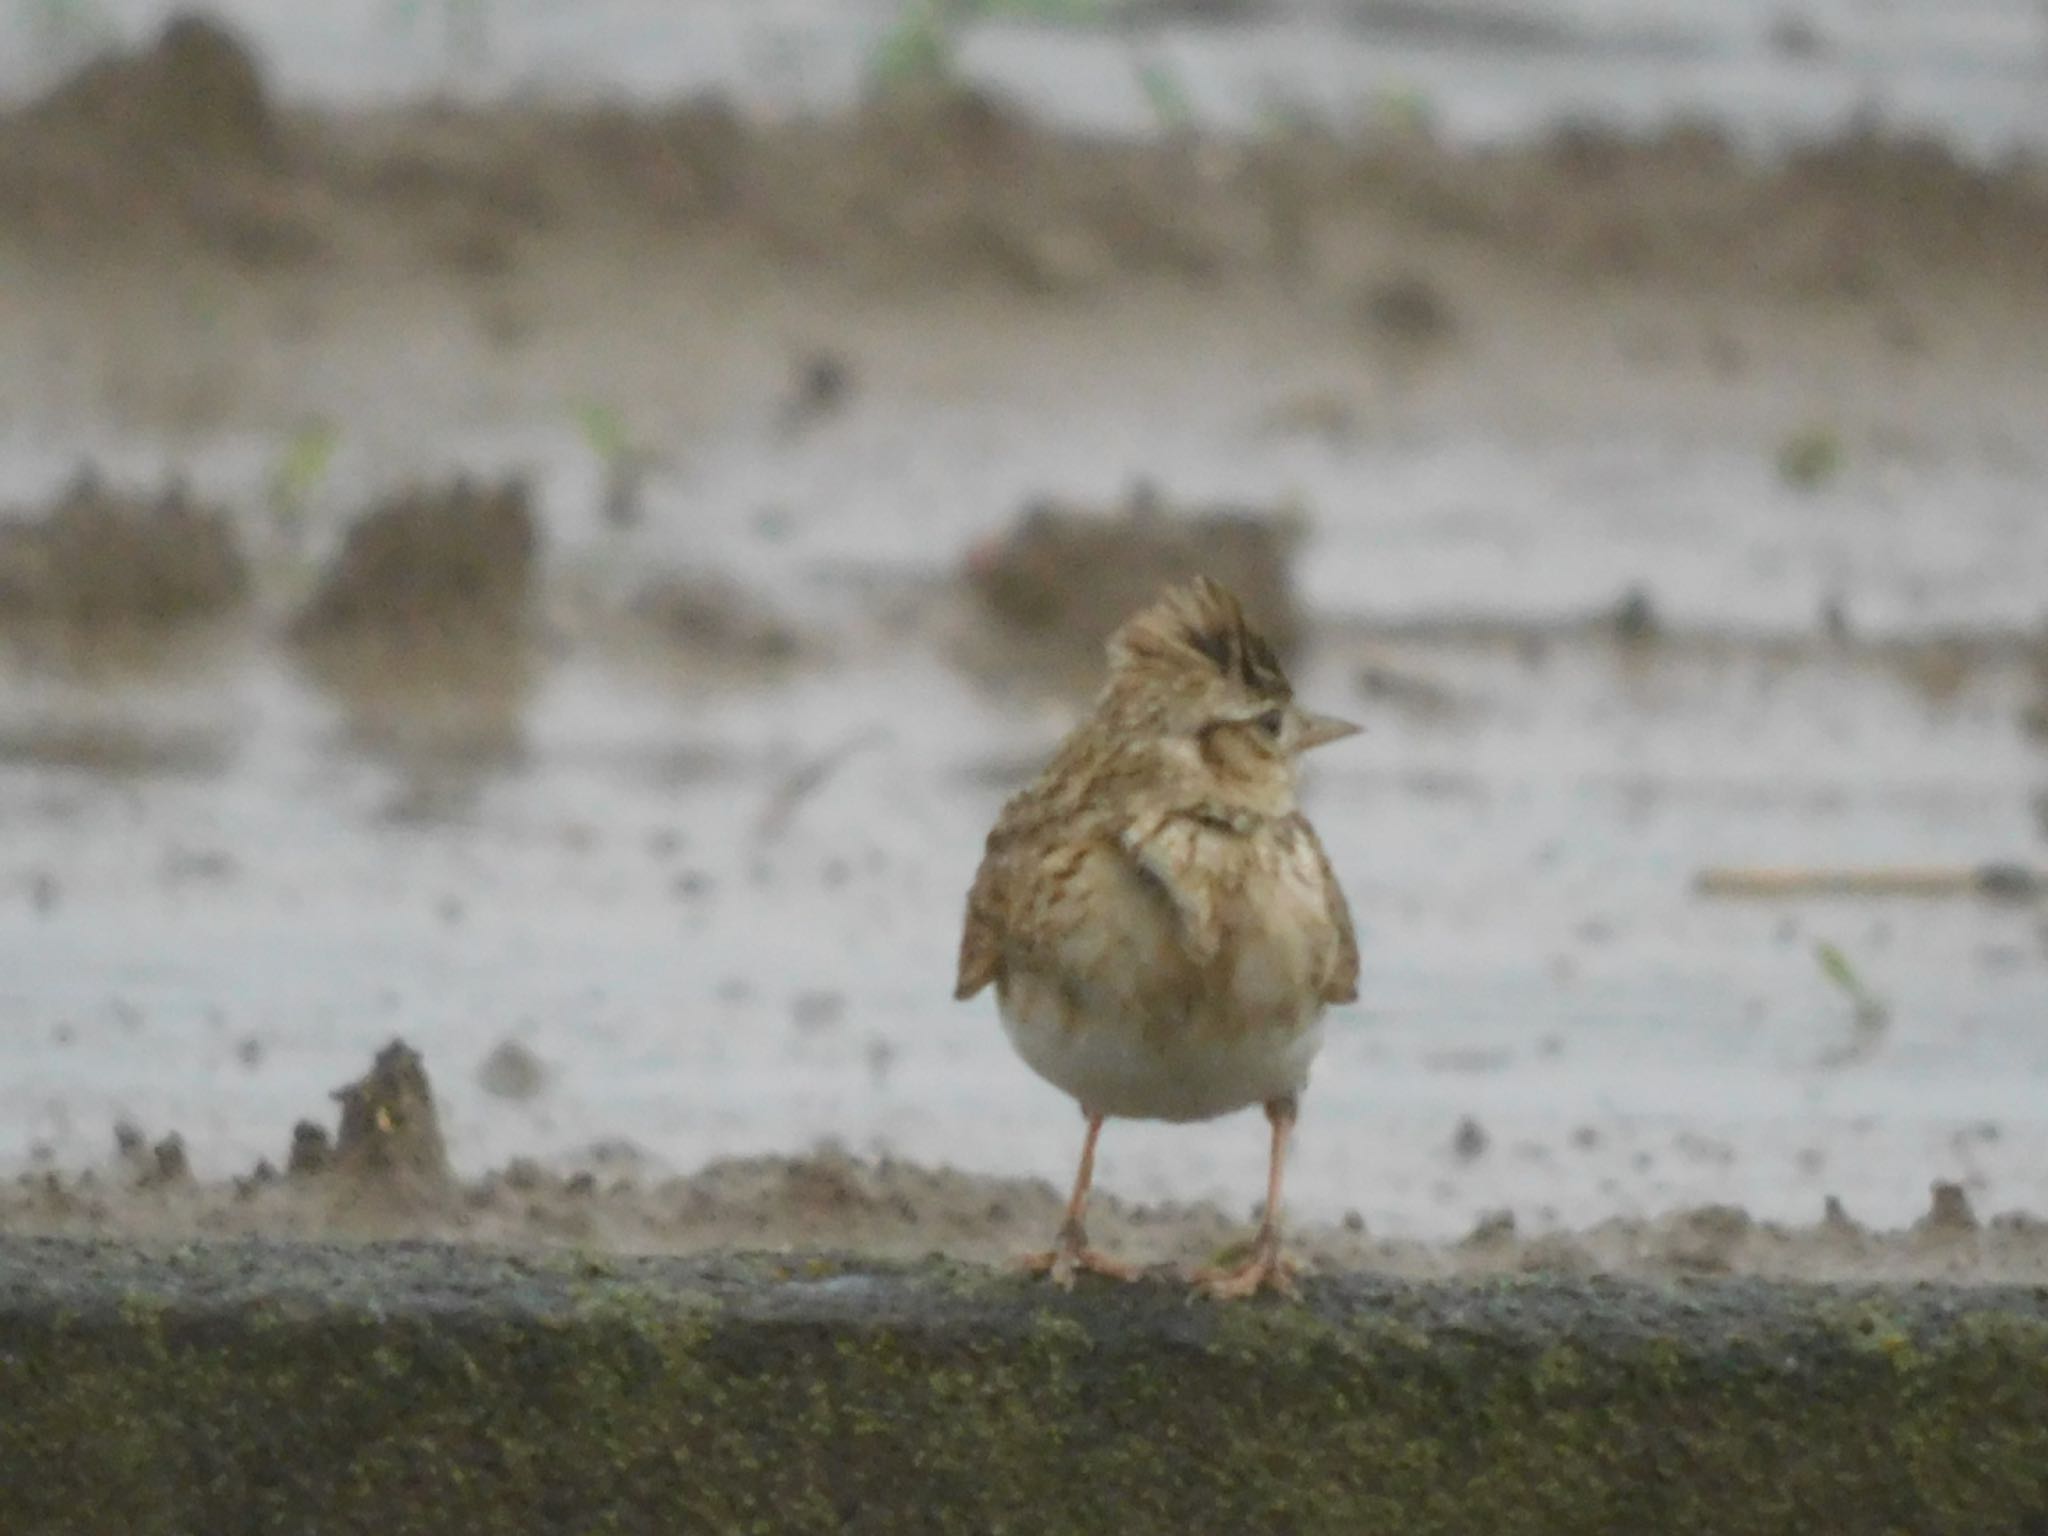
1271 722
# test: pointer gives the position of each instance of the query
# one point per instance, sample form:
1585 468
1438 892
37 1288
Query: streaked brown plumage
1159 920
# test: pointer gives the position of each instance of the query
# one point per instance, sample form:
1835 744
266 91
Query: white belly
1113 1066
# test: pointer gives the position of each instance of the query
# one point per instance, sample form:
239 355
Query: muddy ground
384 1173
1661 509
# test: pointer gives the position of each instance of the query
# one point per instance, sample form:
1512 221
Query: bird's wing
1340 978
1167 850
1012 842
981 938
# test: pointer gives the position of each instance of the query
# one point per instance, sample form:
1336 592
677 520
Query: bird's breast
1119 938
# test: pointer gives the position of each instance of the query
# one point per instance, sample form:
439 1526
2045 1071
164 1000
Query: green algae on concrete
409 1389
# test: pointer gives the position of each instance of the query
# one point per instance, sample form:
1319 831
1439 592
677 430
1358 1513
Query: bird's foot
1267 1269
1062 1264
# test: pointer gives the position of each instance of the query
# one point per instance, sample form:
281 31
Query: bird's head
1190 668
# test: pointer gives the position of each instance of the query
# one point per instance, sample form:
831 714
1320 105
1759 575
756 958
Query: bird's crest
1201 625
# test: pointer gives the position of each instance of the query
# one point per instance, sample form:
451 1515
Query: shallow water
1972 74
220 900
220 892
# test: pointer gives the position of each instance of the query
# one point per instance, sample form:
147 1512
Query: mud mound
389 1157
1846 218
422 632
179 139
101 558
452 564
1063 577
195 92
951 186
953 183
921 184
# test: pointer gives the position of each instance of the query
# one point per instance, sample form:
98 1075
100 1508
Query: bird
1161 924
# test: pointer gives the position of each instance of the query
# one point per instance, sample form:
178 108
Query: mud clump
1470 1142
1494 1230
389 1157
823 384
447 565
181 136
1635 619
423 631
146 1166
101 559
512 1071
1064 577
1949 1213
169 1162
1407 310
195 91
312 1150
713 619
1707 1240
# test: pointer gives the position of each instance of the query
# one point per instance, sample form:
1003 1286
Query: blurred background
548 530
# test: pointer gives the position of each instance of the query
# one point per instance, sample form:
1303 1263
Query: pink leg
1073 1253
1266 1269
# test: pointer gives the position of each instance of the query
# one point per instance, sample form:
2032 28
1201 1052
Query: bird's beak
1321 730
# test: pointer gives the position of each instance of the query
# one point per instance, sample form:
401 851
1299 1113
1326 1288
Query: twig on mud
805 780
1999 881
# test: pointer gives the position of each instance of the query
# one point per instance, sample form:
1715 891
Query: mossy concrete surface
416 1388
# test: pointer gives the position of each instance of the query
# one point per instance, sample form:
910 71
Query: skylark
1160 921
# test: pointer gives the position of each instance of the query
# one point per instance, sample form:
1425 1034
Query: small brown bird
1160 921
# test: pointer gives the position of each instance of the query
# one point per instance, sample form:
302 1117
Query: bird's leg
1265 1269
1073 1253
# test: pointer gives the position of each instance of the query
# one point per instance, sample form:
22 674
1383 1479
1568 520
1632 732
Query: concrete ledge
416 1388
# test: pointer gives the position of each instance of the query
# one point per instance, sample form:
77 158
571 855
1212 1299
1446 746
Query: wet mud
179 144
384 1173
431 568
674 499
714 619
100 560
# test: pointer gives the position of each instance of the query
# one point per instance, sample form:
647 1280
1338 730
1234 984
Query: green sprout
1166 93
1810 458
300 470
918 49
1870 1013
604 430
626 460
923 47
1401 111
